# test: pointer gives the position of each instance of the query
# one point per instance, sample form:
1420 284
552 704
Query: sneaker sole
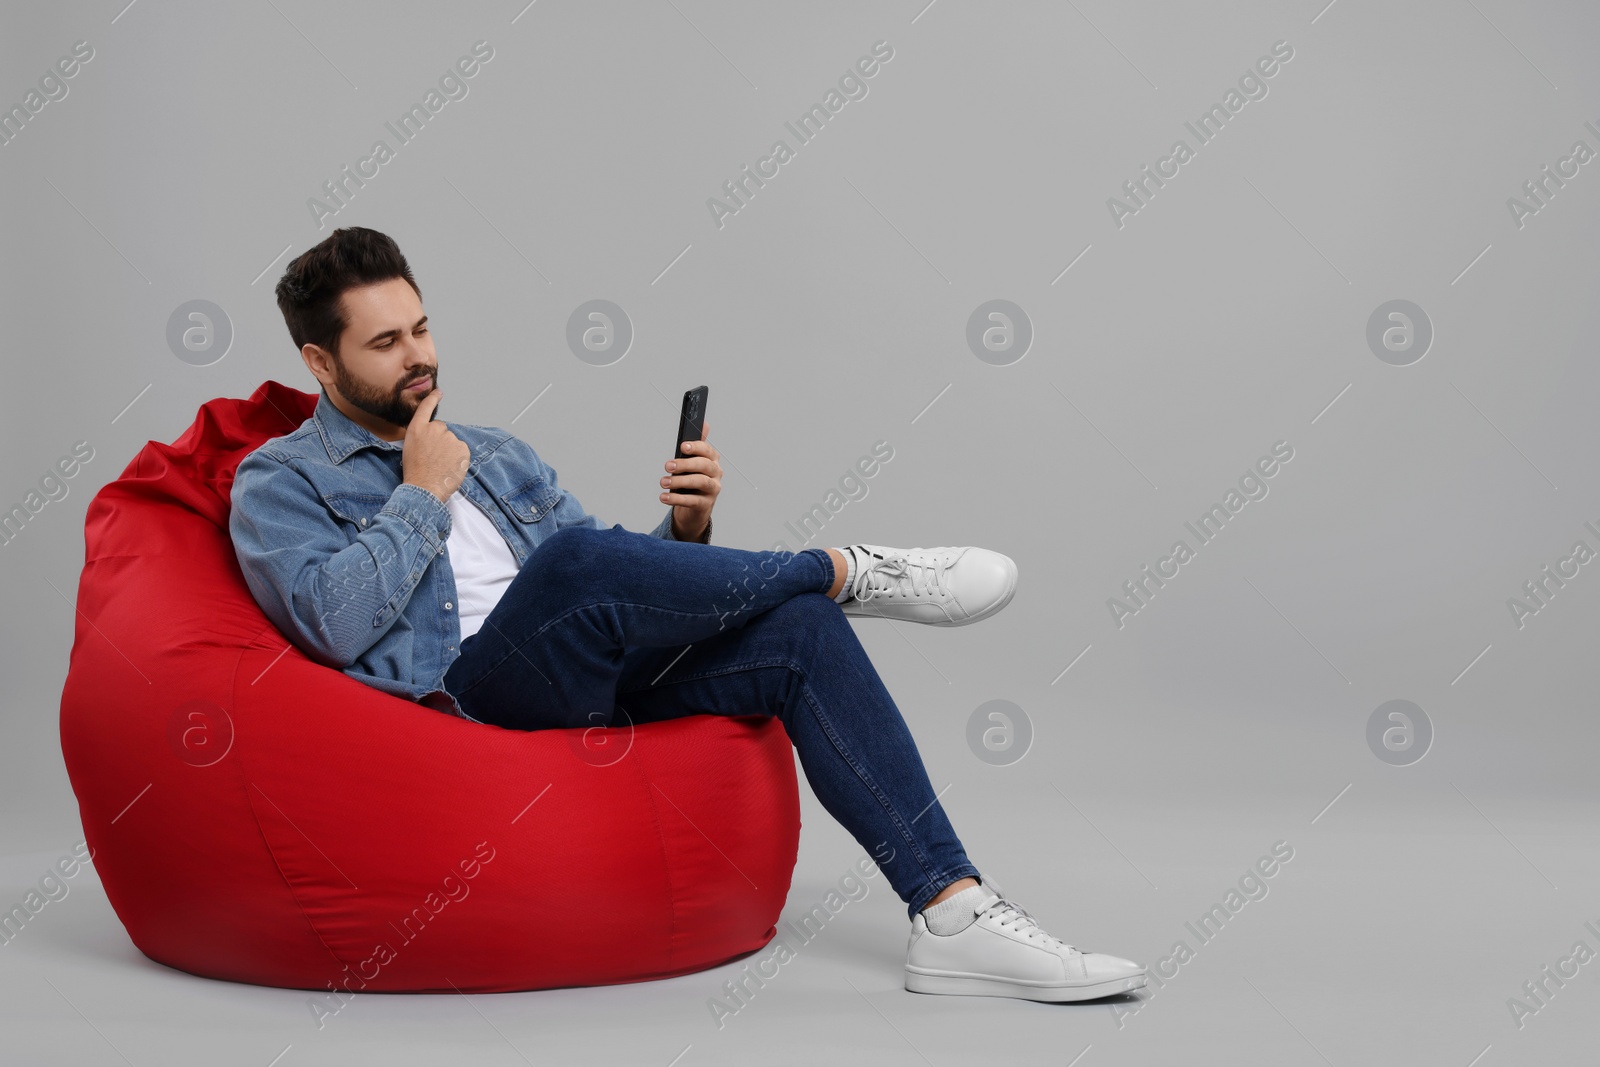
855 610
1053 993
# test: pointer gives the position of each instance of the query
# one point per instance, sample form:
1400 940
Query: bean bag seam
666 863
267 842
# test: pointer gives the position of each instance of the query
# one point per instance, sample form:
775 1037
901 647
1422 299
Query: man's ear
318 362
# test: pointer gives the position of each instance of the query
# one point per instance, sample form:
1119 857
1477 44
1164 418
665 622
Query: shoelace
1009 913
891 576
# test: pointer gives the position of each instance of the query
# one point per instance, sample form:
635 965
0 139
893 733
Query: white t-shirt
481 559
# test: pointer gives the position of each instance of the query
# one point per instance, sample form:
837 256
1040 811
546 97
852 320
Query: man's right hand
433 457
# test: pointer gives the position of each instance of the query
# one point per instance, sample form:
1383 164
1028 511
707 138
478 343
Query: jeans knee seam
908 838
516 649
715 673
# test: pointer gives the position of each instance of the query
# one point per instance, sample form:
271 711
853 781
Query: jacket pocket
357 509
358 512
531 500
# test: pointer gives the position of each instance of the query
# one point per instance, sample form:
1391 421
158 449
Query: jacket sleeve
332 597
567 511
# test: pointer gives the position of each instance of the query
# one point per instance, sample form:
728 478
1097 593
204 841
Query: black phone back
692 419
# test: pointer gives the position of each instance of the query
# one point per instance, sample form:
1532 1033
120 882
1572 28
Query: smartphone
691 423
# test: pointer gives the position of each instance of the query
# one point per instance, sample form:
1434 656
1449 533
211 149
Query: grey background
1225 316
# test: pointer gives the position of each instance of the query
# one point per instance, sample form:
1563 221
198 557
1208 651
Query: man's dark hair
309 291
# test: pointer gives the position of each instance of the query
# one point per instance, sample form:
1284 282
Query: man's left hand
700 470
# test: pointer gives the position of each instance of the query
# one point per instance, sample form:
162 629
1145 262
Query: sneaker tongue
1001 906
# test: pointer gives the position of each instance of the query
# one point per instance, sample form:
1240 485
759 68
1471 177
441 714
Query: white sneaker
1005 953
937 586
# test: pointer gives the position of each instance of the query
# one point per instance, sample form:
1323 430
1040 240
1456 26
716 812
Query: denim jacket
349 561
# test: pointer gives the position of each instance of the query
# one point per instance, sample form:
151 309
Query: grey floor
1404 922
1240 307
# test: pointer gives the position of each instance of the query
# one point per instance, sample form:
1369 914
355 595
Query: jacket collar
342 435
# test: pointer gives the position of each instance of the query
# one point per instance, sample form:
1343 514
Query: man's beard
394 406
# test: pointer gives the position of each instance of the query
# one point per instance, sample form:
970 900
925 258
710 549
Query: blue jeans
601 620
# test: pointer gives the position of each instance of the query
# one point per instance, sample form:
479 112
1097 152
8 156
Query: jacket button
447 605
363 522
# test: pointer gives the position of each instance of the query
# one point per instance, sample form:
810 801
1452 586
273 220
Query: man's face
386 348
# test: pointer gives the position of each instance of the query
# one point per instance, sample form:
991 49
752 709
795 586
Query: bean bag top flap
158 556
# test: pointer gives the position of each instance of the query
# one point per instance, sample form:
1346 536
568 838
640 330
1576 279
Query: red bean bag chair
258 817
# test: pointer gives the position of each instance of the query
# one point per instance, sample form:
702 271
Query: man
443 562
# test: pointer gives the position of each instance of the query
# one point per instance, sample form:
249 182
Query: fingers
698 470
699 455
706 474
687 481
425 407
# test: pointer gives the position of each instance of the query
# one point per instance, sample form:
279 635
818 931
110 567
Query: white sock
954 914
856 557
849 576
